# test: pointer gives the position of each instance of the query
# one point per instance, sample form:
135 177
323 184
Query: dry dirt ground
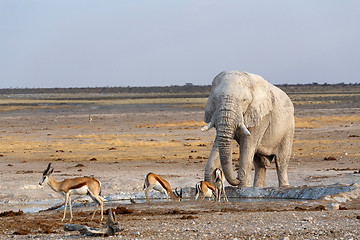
123 142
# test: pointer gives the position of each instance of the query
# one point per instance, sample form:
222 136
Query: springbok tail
217 175
103 199
198 190
95 199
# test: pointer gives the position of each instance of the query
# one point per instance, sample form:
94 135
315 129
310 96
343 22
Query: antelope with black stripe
76 186
218 179
154 181
207 190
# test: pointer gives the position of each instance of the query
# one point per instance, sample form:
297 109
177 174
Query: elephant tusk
244 130
207 127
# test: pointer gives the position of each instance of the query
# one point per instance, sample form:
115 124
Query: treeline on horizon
188 88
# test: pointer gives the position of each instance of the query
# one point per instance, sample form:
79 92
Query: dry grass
316 122
37 104
320 148
324 98
74 145
178 124
82 147
77 145
300 122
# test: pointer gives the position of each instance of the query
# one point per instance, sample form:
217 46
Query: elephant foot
243 186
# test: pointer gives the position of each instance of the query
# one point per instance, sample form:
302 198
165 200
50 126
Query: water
34 207
257 194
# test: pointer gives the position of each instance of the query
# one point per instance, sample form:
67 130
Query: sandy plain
127 139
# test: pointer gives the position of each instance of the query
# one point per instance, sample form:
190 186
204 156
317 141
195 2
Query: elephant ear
209 109
217 79
262 102
210 105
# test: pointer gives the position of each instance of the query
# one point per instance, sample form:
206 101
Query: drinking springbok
154 181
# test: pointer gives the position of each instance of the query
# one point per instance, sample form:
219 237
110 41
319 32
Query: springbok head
178 192
46 175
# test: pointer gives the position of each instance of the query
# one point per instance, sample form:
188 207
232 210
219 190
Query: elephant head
237 103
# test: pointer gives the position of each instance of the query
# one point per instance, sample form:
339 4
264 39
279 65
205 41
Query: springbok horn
178 193
244 130
48 168
207 126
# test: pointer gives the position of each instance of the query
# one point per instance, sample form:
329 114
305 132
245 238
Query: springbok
154 181
218 179
76 186
207 189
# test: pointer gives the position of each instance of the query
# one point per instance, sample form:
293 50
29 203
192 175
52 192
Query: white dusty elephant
259 116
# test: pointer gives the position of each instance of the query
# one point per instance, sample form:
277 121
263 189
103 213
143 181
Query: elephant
256 114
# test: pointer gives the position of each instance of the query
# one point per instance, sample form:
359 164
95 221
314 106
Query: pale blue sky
86 43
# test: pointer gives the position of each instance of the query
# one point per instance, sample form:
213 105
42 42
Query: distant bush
187 88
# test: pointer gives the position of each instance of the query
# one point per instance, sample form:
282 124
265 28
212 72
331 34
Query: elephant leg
282 170
282 174
282 162
213 162
245 165
260 171
249 145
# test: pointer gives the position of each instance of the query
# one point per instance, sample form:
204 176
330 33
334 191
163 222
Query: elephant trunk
226 125
225 153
